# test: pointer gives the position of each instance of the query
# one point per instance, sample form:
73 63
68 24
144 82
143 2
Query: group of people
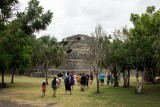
69 82
110 78
82 80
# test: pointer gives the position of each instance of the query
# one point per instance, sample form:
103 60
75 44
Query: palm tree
47 53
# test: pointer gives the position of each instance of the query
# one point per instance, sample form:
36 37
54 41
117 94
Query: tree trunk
128 79
46 76
46 70
115 77
139 85
124 79
97 84
97 80
12 79
116 80
3 85
153 76
145 76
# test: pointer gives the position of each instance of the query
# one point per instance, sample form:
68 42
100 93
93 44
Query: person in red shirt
43 88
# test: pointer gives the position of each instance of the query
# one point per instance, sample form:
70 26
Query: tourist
83 82
54 85
75 78
91 78
101 77
67 82
72 81
78 78
60 76
43 88
87 79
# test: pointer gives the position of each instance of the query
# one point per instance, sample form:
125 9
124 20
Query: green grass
28 90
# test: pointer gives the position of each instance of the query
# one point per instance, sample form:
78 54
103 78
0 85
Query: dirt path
8 103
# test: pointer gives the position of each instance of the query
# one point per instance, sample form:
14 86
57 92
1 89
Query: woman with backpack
67 82
54 85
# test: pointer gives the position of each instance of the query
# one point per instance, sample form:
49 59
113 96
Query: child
43 88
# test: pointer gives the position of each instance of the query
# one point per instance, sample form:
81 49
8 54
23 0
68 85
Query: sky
73 17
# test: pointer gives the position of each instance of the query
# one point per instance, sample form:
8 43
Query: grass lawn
28 90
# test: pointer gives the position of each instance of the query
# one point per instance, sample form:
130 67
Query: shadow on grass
8 103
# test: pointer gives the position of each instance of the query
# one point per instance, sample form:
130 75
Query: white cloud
81 16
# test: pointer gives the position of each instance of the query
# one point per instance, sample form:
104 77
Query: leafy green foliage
16 35
47 50
34 18
6 9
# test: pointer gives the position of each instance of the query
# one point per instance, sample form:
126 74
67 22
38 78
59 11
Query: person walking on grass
67 82
78 78
87 79
60 76
91 78
101 77
75 78
54 85
72 81
43 88
83 82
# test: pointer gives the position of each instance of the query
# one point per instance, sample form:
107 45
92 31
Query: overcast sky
81 16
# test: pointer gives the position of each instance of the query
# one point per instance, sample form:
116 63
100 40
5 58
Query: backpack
67 80
72 79
54 83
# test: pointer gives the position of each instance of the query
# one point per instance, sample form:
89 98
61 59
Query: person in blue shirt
101 77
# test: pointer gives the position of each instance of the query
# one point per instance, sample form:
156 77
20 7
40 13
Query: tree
47 53
4 63
144 34
7 8
34 18
18 32
20 52
95 53
145 39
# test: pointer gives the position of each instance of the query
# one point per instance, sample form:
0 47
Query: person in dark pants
83 82
91 78
87 79
67 82
54 85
